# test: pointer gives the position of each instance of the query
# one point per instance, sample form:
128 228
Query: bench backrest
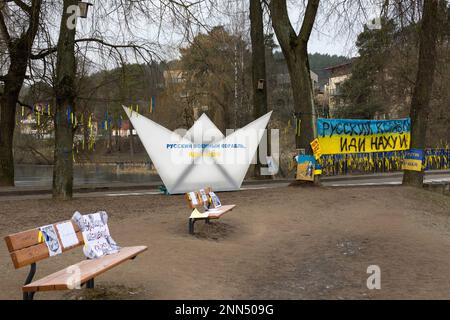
198 197
26 247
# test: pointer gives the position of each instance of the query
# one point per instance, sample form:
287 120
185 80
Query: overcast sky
327 43
332 34
337 24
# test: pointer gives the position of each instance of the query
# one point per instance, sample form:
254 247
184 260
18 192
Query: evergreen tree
362 91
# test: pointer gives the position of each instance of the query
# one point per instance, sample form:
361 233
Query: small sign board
413 160
318 169
315 146
305 167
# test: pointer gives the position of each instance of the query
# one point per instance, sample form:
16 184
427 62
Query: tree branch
4 29
281 24
23 6
308 20
45 52
22 104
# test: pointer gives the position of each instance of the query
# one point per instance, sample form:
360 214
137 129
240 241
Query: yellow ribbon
40 237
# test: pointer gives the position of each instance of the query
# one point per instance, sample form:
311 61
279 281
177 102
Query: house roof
345 64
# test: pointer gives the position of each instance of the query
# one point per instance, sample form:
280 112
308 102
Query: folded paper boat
201 156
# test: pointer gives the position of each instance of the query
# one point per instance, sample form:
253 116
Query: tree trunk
295 50
109 147
65 105
420 103
85 132
302 92
8 101
258 72
118 139
131 141
7 123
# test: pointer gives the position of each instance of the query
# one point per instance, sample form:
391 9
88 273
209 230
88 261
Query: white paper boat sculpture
203 156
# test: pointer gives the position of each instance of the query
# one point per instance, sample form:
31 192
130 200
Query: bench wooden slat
89 269
217 213
28 255
27 238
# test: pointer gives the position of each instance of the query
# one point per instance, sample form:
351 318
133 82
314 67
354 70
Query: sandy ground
284 243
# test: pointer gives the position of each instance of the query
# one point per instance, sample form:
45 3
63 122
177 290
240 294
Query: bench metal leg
191 225
30 295
90 284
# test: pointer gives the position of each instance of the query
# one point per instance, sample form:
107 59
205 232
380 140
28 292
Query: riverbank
150 181
284 243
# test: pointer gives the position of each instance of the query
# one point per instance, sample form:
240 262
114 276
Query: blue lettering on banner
204 146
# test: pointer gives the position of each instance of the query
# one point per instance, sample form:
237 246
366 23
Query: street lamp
84 6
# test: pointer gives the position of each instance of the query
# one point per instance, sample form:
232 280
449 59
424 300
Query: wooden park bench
210 213
26 249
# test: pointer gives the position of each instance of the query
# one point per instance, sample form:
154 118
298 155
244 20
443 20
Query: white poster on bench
67 234
50 238
215 200
193 198
97 239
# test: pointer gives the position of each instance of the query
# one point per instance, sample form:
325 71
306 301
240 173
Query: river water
92 174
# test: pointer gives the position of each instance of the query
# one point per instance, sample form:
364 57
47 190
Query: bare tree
295 50
65 95
64 83
258 66
19 26
18 39
420 103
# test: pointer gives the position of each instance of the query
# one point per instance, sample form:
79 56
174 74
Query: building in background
279 85
124 130
332 91
282 77
173 77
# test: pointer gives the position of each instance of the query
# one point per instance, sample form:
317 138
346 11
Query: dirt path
284 243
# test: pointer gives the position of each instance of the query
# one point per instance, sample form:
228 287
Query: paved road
124 193
346 181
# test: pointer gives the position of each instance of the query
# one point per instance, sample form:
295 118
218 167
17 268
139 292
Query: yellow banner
339 144
340 136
